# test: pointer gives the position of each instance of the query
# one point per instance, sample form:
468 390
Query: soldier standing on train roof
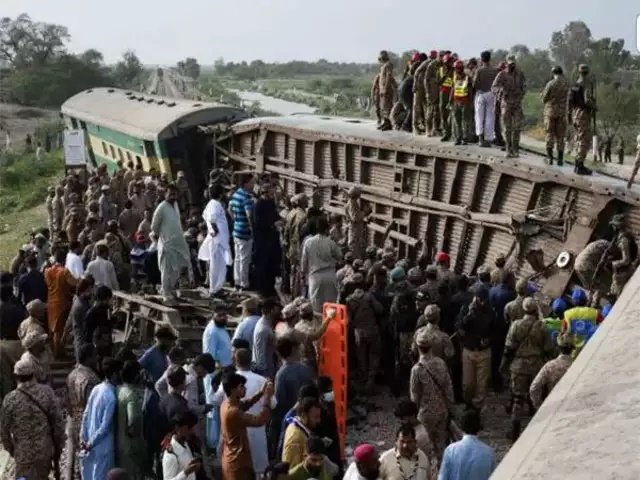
510 86
582 105
419 95
526 348
554 97
432 93
387 88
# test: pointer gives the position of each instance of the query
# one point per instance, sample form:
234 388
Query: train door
152 156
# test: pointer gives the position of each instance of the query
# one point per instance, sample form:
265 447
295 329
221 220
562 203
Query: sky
163 31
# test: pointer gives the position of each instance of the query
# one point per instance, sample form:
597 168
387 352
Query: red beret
364 453
442 257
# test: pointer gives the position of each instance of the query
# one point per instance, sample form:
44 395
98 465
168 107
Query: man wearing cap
460 101
51 193
366 464
35 322
31 426
108 210
554 96
510 86
356 216
432 93
216 248
580 321
419 95
294 222
311 329
430 388
184 192
582 106
445 275
623 255
513 310
441 345
554 321
636 164
387 87
476 325
430 286
527 347
58 207
552 371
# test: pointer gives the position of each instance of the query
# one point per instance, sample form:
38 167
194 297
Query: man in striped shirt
241 210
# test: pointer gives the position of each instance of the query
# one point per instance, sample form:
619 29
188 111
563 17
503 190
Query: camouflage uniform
357 233
445 74
431 389
581 119
49 205
419 98
58 212
586 262
510 87
554 96
547 378
80 382
432 93
388 88
26 430
293 225
513 310
375 96
529 344
623 265
442 347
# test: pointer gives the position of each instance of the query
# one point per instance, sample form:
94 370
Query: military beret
24 367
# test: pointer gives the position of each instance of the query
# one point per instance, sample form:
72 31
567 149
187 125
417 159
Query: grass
23 190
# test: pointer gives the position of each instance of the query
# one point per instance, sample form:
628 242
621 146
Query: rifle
603 259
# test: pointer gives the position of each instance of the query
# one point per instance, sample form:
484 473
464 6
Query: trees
128 70
569 46
618 109
25 43
189 67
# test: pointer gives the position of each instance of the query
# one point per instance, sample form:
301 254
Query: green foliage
24 181
129 70
189 67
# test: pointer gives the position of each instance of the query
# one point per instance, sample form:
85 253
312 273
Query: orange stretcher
333 363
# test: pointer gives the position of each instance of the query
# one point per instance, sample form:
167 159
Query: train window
128 156
104 149
74 123
113 152
120 155
138 160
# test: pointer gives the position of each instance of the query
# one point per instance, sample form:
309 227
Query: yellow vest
445 78
581 323
461 87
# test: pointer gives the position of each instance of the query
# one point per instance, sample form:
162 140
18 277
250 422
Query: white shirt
173 464
74 265
352 473
103 273
395 467
257 435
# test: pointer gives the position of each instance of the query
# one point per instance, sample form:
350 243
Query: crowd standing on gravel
253 404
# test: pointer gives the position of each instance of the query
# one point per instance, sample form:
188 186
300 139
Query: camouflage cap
305 308
529 305
511 59
432 313
36 308
289 311
358 264
583 68
24 367
522 286
425 338
34 338
356 278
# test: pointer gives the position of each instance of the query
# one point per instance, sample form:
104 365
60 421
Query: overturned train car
425 196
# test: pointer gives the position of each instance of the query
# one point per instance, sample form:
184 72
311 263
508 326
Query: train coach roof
144 116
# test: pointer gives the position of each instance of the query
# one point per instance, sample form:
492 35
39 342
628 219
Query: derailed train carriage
426 196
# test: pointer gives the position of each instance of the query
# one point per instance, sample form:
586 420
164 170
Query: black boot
514 433
580 169
550 155
560 158
386 125
458 141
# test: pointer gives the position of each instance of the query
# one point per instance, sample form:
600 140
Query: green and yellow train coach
165 134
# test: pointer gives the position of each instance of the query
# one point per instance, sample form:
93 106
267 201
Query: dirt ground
20 120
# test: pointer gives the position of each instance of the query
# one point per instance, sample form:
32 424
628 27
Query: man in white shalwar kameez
257 435
216 248
173 251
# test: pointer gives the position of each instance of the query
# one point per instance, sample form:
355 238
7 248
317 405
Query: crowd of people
476 102
255 400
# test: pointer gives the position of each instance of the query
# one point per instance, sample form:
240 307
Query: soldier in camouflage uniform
419 96
552 371
527 347
31 426
58 207
441 345
636 164
388 88
510 86
432 92
356 216
623 256
582 104
513 310
554 96
470 114
294 222
445 84
375 97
